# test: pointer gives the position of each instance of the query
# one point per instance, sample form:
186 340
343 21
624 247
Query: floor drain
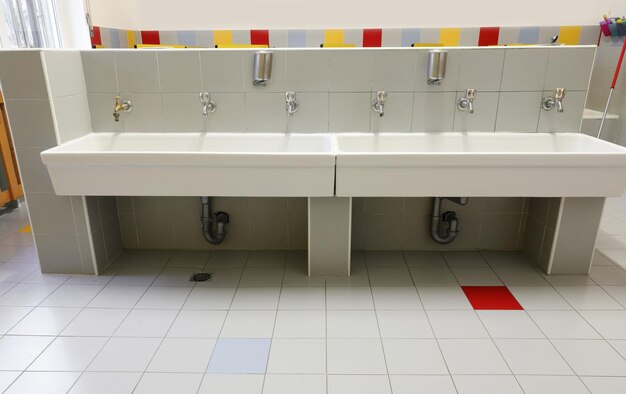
201 277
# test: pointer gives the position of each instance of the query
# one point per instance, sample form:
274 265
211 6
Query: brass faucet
121 105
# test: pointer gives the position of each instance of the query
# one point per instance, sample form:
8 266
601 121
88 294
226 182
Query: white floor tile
17 352
426 259
476 276
536 384
152 258
252 298
616 256
563 325
72 295
300 324
608 275
443 298
520 276
6 378
262 276
396 298
604 385
414 384
296 274
620 346
197 324
358 384
302 298
352 324
27 294
591 357
8 251
135 275
38 277
355 356
532 357
15 272
95 322
539 298
505 258
125 355
384 258
210 298
349 298
414 356
292 383
456 324
228 258
266 258
166 383
68 354
473 356
4 287
231 384
45 321
389 276
102 279
588 297
509 324
106 382
249 324
117 297
176 276
146 323
11 315
43 383
610 324
306 356
464 259
163 298
222 277
569 280
189 258
182 355
433 276
404 324
486 384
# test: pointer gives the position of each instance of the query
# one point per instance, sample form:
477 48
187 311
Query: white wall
284 14
72 24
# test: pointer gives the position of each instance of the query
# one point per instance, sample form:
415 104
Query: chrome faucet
379 104
291 105
467 103
208 105
121 105
556 100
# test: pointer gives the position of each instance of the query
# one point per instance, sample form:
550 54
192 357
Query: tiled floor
418 322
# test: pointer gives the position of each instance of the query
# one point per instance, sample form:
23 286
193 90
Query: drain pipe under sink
221 219
445 235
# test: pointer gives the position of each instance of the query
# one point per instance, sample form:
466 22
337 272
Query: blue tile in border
409 36
187 38
115 38
239 356
529 35
296 39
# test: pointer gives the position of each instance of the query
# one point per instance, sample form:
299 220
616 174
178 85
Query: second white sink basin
479 164
193 164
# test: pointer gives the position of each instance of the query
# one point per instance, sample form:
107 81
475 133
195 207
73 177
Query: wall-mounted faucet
467 103
556 100
291 105
121 105
379 104
208 105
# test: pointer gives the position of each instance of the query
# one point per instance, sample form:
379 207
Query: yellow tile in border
450 36
25 229
569 35
333 36
222 37
132 38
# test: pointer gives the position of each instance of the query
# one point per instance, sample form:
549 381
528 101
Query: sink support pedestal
330 222
561 233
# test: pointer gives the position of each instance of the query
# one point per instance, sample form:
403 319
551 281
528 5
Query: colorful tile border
104 37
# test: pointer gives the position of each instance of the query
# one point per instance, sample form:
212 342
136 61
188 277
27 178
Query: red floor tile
491 297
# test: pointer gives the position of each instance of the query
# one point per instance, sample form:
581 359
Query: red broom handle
619 65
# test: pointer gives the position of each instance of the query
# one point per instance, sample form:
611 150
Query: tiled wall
335 89
104 37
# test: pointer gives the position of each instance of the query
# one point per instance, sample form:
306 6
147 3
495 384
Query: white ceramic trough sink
193 164
479 164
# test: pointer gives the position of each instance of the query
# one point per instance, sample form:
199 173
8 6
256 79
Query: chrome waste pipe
445 235
214 234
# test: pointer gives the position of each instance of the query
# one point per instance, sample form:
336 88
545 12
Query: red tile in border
97 38
372 38
150 37
491 298
260 37
488 36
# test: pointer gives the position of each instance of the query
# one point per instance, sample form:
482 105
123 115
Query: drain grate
201 277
